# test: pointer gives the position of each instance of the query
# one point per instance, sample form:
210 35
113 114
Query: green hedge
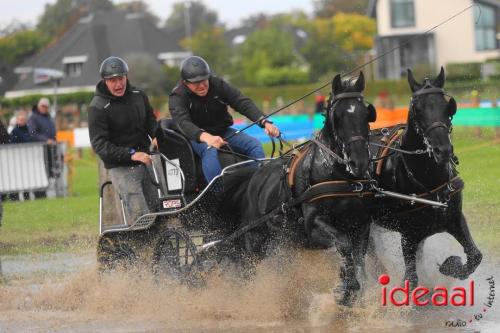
463 71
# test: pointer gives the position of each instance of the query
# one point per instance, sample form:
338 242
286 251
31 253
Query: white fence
36 166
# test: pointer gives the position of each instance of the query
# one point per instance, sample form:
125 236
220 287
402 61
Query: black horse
317 192
424 164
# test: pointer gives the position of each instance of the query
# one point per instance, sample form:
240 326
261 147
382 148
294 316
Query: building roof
91 40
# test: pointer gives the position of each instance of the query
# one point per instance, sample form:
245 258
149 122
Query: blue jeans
241 143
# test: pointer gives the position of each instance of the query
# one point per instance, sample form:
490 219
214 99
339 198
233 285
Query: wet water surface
63 293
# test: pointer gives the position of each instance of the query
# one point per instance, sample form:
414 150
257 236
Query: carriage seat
175 146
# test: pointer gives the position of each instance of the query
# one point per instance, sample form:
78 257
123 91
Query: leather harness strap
448 189
337 188
294 163
385 150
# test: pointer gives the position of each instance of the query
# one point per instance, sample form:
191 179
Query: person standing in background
20 133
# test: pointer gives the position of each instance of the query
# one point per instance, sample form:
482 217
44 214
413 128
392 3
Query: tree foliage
60 16
208 42
199 16
336 44
20 45
329 8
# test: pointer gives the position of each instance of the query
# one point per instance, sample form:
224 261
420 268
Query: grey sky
230 12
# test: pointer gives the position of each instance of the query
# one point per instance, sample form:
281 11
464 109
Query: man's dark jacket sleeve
179 111
100 137
240 102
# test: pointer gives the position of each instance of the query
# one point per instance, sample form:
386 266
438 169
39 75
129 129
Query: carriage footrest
171 202
144 221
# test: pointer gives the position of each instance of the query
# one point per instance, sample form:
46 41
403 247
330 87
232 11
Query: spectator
41 125
43 129
20 133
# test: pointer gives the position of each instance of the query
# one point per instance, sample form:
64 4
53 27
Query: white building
470 36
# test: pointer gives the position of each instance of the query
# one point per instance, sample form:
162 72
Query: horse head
347 120
430 115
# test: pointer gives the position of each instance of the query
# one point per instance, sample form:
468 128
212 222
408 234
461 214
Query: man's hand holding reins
271 130
212 140
141 157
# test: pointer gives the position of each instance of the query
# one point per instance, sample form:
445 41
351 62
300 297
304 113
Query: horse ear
360 82
372 113
439 81
336 84
452 107
414 85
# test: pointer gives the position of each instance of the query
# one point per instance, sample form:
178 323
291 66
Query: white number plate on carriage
174 180
173 203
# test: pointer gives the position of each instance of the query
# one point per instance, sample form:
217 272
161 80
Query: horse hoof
453 267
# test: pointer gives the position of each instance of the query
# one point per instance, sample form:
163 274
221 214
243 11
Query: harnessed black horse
317 192
423 163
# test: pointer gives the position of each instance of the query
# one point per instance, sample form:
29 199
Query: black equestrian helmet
195 69
112 67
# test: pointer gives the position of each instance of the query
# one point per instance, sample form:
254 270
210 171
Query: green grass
72 222
55 224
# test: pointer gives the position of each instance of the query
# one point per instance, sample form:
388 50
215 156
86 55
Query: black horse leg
409 246
360 240
453 265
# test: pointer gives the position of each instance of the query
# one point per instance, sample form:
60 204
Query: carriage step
143 222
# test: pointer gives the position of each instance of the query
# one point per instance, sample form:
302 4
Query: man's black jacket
119 124
195 114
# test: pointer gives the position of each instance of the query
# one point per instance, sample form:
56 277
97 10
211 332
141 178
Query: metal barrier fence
31 167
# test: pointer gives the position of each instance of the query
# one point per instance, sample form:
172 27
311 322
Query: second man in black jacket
199 104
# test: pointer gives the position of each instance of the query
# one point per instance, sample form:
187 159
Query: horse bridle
427 89
340 143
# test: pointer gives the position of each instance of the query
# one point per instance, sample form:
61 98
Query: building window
73 65
485 29
73 69
402 13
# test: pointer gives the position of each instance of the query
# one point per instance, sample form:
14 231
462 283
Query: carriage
188 214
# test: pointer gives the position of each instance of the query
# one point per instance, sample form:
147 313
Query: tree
199 16
268 52
208 43
20 45
60 16
336 44
146 73
328 8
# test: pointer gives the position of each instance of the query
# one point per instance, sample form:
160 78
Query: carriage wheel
114 252
175 256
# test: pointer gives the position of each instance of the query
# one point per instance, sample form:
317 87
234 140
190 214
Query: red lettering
418 293
384 296
443 294
460 293
471 293
405 291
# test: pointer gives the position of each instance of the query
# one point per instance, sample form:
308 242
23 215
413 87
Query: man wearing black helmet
199 104
121 127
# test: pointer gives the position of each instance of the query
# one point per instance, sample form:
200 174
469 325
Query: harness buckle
450 187
284 207
358 187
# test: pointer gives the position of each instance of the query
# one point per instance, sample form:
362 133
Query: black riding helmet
112 67
195 69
